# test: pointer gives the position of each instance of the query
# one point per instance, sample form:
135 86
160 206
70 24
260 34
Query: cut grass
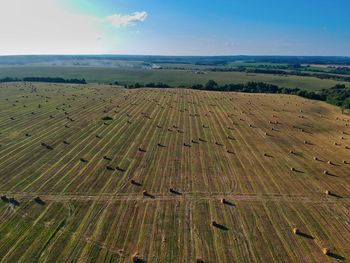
91 189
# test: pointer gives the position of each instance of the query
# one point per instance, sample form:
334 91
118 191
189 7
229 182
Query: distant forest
44 79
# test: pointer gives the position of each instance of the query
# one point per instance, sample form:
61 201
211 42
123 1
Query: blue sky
188 27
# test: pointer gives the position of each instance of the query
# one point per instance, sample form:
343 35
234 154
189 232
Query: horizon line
162 55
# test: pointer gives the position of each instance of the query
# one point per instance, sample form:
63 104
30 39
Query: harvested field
149 181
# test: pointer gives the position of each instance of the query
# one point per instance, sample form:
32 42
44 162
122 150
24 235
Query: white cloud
46 27
118 20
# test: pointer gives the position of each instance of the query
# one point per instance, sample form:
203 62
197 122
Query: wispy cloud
119 20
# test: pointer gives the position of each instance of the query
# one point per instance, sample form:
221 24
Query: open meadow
98 173
172 77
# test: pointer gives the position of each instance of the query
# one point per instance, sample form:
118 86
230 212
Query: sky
175 27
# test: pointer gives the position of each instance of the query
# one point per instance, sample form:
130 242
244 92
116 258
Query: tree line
338 95
44 79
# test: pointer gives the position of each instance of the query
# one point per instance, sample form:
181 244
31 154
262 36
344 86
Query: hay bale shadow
333 175
335 195
305 235
228 203
133 182
173 191
120 169
146 194
39 201
138 260
107 158
335 256
5 199
14 202
219 226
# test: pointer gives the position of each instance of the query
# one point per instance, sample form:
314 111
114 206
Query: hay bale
315 158
83 160
325 251
327 192
296 231
293 169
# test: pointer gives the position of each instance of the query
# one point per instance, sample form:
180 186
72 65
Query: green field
171 77
270 157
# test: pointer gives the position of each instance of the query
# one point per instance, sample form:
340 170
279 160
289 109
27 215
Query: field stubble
172 176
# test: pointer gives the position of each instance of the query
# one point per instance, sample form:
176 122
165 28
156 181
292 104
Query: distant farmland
97 173
170 76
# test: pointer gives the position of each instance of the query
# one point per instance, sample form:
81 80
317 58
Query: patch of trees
338 95
149 85
45 79
8 79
